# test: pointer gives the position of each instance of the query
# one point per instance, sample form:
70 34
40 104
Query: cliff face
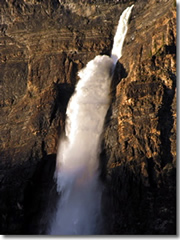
140 136
43 45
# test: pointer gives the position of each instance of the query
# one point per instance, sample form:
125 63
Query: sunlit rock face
43 45
140 137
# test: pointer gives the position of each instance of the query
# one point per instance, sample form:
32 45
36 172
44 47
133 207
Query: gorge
43 46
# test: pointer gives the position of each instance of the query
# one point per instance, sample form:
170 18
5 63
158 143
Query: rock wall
43 45
140 136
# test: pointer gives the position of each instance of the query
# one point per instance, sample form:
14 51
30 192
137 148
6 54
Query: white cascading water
79 208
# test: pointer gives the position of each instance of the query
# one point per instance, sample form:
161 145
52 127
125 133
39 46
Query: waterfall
120 35
79 208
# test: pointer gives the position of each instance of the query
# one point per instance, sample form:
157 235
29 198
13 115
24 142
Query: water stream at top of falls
79 207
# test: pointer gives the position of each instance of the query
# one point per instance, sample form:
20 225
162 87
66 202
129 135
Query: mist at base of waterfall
78 211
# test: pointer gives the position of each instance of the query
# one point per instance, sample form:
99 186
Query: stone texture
42 46
140 136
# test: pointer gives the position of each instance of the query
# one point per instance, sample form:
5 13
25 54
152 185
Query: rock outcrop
43 45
